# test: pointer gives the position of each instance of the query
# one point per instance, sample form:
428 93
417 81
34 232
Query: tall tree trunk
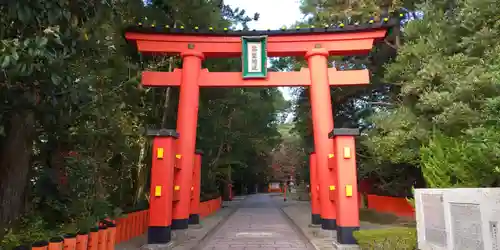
142 173
15 153
167 96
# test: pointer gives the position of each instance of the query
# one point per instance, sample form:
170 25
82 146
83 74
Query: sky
274 14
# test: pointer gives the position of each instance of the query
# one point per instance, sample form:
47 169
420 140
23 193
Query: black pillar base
159 235
180 224
345 235
328 224
315 219
194 219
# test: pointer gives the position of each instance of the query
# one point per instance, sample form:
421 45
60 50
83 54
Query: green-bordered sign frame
254 56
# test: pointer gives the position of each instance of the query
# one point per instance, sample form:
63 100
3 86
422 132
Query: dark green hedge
401 238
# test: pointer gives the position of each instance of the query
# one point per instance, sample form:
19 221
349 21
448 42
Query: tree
288 156
445 117
71 150
41 42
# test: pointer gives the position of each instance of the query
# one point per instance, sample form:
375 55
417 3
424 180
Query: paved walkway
193 235
257 224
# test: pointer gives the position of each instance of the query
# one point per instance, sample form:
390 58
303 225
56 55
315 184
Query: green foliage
431 113
411 201
399 134
373 216
391 238
461 161
345 11
443 120
34 229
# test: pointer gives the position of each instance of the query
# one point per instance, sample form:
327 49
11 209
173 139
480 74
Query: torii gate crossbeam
276 79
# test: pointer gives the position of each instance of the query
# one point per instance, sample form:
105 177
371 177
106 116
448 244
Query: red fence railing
135 224
209 207
110 233
394 205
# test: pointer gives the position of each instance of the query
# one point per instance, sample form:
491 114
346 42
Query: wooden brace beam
274 79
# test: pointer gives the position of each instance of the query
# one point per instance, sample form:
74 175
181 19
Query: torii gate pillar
322 119
187 119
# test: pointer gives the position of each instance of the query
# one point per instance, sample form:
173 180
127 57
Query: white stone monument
458 218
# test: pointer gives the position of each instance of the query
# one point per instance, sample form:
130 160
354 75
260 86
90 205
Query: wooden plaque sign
254 56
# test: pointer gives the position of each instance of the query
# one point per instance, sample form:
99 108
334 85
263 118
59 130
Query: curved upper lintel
201 33
274 49
345 41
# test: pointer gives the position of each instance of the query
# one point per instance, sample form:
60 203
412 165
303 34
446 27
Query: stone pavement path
194 234
257 224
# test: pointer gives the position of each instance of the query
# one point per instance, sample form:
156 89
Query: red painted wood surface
394 205
55 245
348 43
187 120
321 113
69 243
277 79
81 241
162 172
346 170
209 207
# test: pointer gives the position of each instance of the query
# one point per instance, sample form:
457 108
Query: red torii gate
315 44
